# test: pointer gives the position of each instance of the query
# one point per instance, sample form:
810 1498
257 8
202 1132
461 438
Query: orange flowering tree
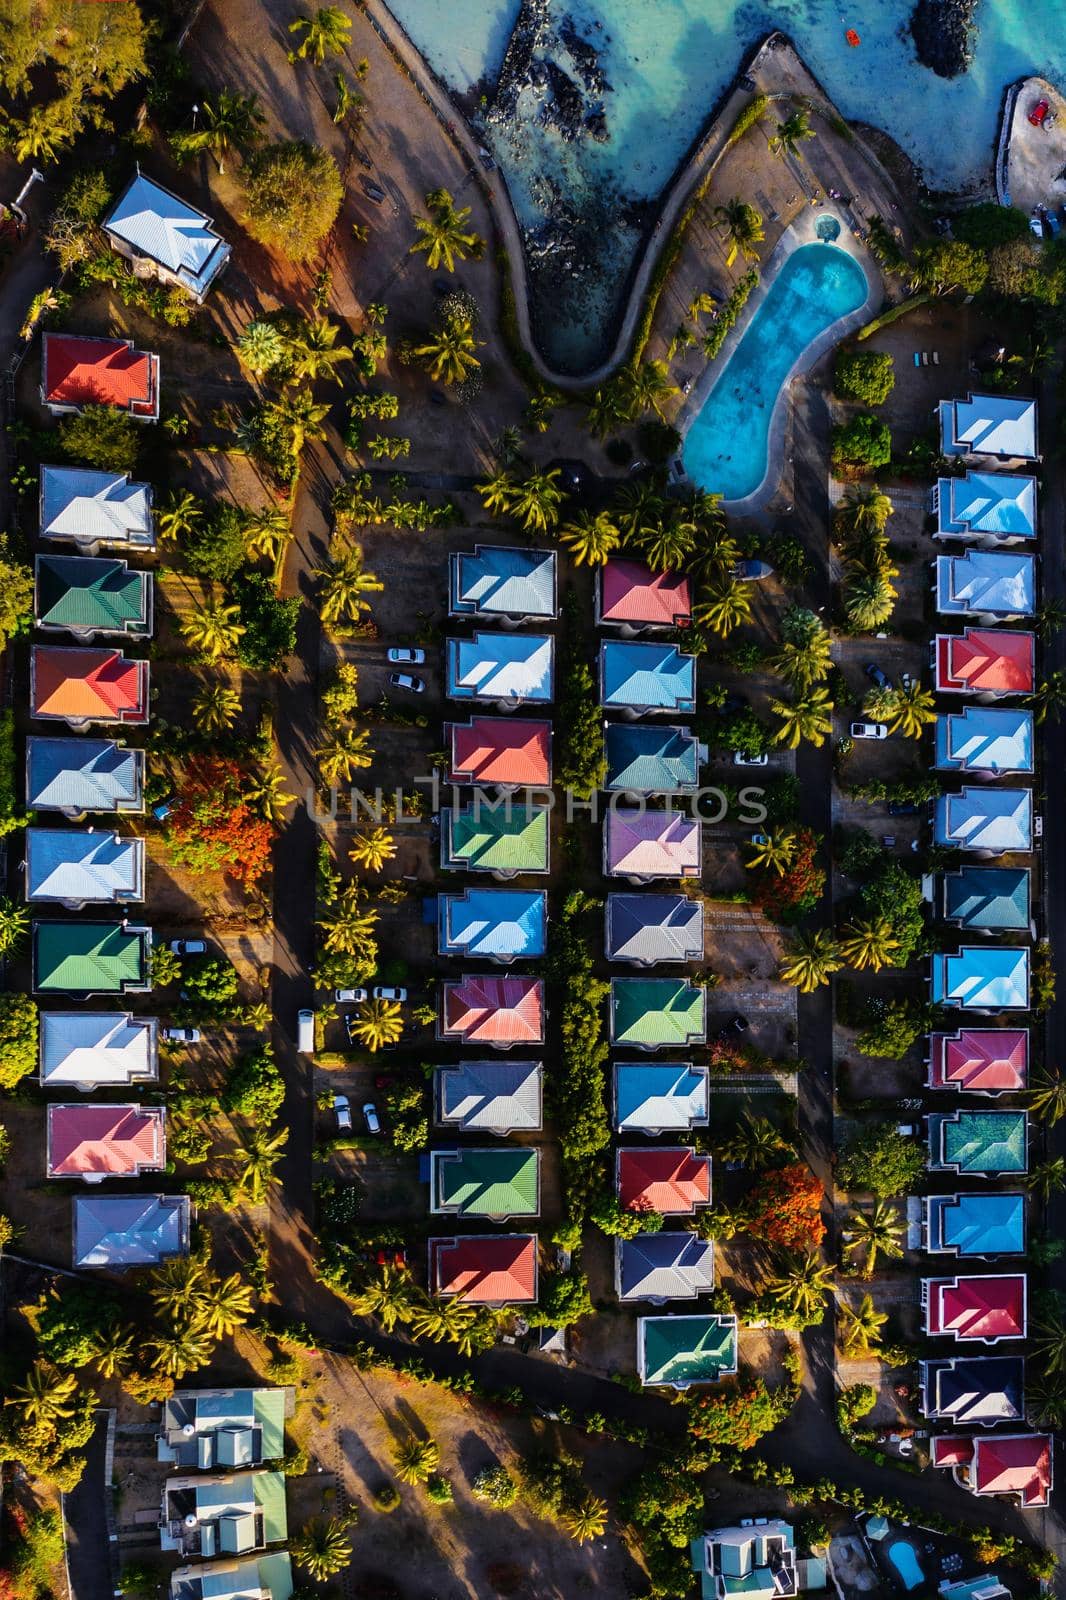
786 1208
214 826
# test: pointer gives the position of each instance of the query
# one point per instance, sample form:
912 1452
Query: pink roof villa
495 1011
93 1142
509 751
631 595
644 844
988 661
1018 1464
983 1310
979 1060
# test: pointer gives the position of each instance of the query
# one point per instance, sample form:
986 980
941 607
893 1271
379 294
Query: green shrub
882 1162
862 445
729 313
101 437
292 193
269 622
214 546
18 1038
989 224
867 376
495 1487
255 1087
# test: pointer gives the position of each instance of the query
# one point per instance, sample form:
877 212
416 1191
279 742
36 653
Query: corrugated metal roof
496 580
92 593
129 1230
156 224
89 957
91 507
83 775
69 864
97 1047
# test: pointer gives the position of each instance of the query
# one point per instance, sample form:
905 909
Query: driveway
88 1515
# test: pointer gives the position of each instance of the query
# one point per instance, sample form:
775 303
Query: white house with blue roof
999 425
646 929
118 1231
984 978
95 510
75 776
88 1050
992 508
992 898
658 1267
211 1428
498 581
165 237
656 1097
266 1576
497 924
989 585
757 1557
987 822
513 668
993 740
639 676
78 867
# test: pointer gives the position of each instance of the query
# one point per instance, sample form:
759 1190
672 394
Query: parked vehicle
903 808
373 191
188 947
406 680
751 571
406 656
181 1035
741 758
869 730
873 671
1038 223
1038 115
906 682
305 1031
343 1112
349 997
162 811
370 1113
389 992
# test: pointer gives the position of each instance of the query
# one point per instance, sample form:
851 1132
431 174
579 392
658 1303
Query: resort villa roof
208 1428
658 1267
1016 1464
498 581
975 1224
504 839
149 223
980 1060
674 1180
657 1013
986 1586
77 866
82 686
992 739
92 1142
97 1049
257 1577
991 583
1001 425
629 594
499 1012
500 1097
130 1230
496 924
79 371
987 897
78 775
87 595
499 1183
514 667
676 1352
991 820
982 1144
645 929
230 1515
981 978
89 508
990 506
973 1391
500 750
485 1269
757 1560
643 844
982 1310
641 676
987 661
643 758
655 1097
91 958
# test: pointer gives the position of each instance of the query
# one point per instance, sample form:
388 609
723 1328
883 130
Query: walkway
88 1521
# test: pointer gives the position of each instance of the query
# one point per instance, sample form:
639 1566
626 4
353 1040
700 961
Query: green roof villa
86 596
677 1352
503 839
497 1184
657 1013
86 958
979 1144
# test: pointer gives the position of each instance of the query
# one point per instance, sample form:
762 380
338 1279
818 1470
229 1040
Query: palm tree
743 227
40 137
348 925
390 1297
650 387
911 710
14 924
1046 1401
257 1161
814 959
497 493
301 418
537 500
1049 1340
810 717
261 346
231 121
326 30
112 1348
349 103
46 1396
791 133
700 306
586 1519
347 582
724 605
178 515
803 663
225 1304
315 351
416 1459
443 234
181 1348
1047 1098
803 1285
267 532
378 1023
215 707
448 354
444 1319
175 1286
347 751
755 1142
774 851
323 1547
864 510
214 630
608 408
1048 1178
666 544
1049 698
868 601
868 943
877 1232
372 848
638 510
590 538
267 791
861 1331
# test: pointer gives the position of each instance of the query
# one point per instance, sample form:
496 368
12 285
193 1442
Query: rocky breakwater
944 32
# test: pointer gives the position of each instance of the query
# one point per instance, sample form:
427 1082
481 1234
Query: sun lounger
917 359
936 358
925 358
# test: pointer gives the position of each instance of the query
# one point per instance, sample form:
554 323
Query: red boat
853 39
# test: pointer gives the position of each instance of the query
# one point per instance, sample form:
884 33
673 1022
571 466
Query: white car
389 992
402 657
181 1035
371 1115
407 680
188 947
343 1112
741 758
349 997
869 730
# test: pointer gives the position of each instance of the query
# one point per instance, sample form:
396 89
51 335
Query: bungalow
499 1097
501 838
498 581
673 1181
495 1184
80 686
753 1559
676 1352
973 1391
658 1267
657 1013
165 238
974 1225
257 1577
87 595
998 508
85 958
986 821
1000 425
978 1144
996 898
986 1061
499 1012
79 867
231 1515
74 776
93 1142
646 677
88 1050
208 1428
510 668
644 845
985 740
984 661
654 1097
646 929
117 1231
485 1269
645 759
95 509
497 924
629 595
506 751
979 1310
78 371
981 978
1015 1464
993 585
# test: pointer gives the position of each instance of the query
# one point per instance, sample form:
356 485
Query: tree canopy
292 194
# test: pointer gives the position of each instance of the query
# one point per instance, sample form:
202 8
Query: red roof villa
84 686
983 1310
1018 1464
93 1142
673 1181
497 1269
630 595
979 1060
501 750
77 371
986 661
495 1011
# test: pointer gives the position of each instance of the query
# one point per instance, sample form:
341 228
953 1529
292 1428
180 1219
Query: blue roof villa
655 1097
996 898
81 867
986 821
993 585
637 676
495 924
130 1230
999 425
974 1225
973 1391
985 739
645 929
643 758
981 978
658 1267
497 581
173 240
998 508
75 776
515 668
95 510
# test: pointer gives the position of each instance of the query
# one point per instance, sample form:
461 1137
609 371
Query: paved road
87 1517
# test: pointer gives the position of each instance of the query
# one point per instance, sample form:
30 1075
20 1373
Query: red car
1039 112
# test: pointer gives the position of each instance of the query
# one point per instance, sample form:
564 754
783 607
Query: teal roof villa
504 839
646 759
645 929
677 1352
998 508
497 1184
166 237
513 668
87 596
495 924
974 1225
75 776
655 1097
986 821
95 510
659 1267
84 958
981 978
756 1558
208 1428
77 867
657 1013
117 1231
997 585
497 581
979 1144
223 1516
996 898
257 1577
637 676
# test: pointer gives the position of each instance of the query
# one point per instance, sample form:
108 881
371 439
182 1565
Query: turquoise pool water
726 447
901 1554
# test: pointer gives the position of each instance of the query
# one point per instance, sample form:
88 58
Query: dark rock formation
943 33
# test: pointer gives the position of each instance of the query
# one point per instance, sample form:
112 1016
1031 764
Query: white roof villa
1000 425
984 739
150 225
994 507
94 509
989 821
88 1050
497 581
510 667
78 867
993 584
